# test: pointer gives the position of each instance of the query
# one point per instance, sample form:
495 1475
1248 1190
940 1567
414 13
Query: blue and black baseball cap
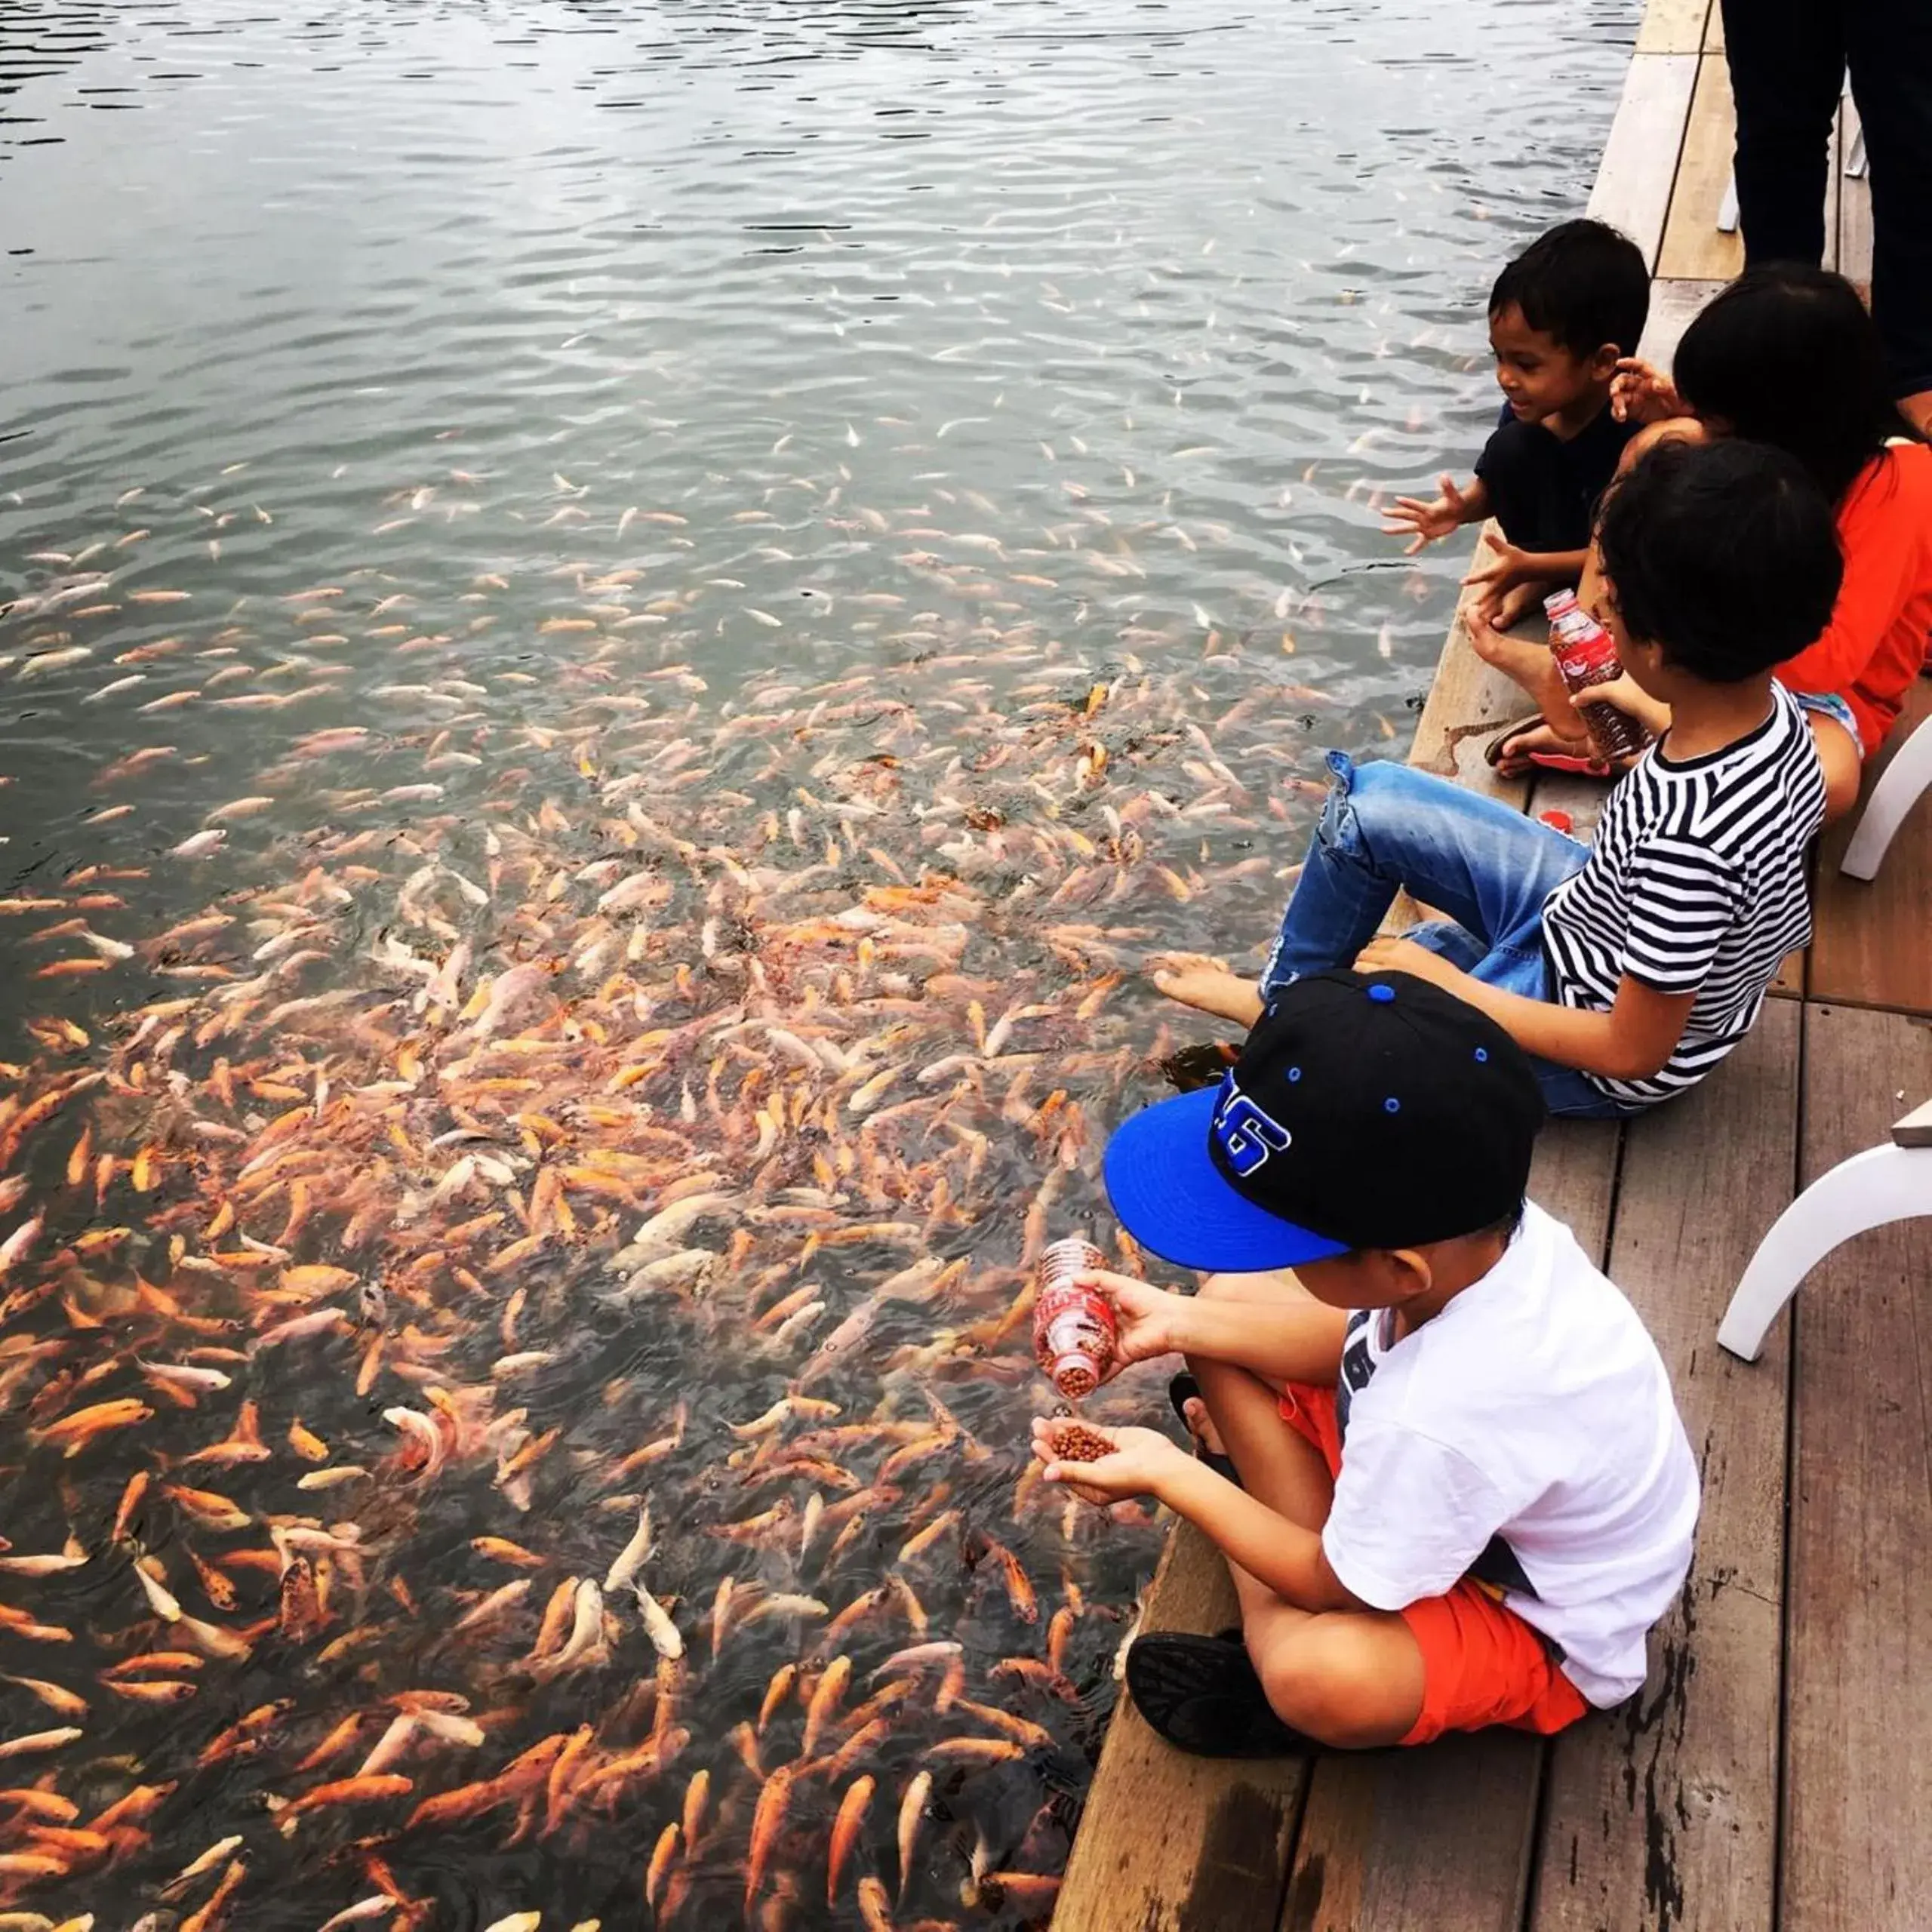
1366 1110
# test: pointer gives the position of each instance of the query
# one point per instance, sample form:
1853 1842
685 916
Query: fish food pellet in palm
1074 1442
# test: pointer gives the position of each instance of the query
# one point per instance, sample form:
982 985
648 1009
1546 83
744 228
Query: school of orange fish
513 1317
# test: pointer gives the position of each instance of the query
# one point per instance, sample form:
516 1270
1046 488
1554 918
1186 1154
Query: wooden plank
1869 945
1662 1813
1675 305
1440 1835
1674 27
1694 245
1169 1843
1834 183
1854 215
1856 1856
1633 184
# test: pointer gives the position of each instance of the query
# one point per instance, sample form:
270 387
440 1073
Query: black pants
1788 63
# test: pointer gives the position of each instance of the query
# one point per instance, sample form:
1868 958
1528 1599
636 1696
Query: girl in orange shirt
1788 356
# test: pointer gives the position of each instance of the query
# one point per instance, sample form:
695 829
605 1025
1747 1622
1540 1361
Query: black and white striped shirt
1696 884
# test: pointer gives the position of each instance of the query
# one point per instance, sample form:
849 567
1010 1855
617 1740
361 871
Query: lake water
615 608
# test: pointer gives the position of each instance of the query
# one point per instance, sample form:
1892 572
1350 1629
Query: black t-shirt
1542 491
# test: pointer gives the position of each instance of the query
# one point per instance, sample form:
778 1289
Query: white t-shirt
1527 1438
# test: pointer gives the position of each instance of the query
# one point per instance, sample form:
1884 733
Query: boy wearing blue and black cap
1445 1466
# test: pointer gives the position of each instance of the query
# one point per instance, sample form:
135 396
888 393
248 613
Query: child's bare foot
1522 660
1184 1393
1211 989
1535 746
1505 608
1200 1425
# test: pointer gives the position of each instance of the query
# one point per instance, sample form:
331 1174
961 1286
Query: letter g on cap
1247 1137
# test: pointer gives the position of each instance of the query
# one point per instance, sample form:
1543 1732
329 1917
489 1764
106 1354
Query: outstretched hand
1639 394
1147 1316
1428 522
1140 1460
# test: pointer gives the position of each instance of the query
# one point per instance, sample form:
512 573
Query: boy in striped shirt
1628 968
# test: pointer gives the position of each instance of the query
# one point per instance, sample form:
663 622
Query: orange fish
911 1817
80 1428
167 1690
215 1913
244 1734
346 1791
767 1820
661 1855
845 1830
827 1695
208 1509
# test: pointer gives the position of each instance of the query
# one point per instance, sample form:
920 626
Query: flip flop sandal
1199 1065
1498 747
1183 1389
1202 1695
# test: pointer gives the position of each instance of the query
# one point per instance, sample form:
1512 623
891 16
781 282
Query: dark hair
1724 554
1503 1229
1788 356
1583 284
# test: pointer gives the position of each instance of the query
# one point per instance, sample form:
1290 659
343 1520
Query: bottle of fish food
1074 1328
1586 656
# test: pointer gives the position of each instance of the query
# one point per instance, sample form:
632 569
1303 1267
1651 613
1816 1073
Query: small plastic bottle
1075 1329
1586 656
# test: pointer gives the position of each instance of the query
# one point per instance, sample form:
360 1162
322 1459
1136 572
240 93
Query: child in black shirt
1561 316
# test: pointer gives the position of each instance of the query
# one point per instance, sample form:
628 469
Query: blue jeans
1385 827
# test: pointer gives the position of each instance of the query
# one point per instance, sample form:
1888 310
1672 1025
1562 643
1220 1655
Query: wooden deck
1777 1769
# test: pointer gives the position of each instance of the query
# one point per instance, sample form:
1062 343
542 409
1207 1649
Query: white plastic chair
1904 780
1893 1182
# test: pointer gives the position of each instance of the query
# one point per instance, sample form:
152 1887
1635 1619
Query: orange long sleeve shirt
1876 642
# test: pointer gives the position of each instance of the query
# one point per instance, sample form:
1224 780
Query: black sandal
1183 1389
1200 1694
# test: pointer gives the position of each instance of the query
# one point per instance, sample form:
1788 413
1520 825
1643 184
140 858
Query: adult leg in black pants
1888 44
1787 69
1788 60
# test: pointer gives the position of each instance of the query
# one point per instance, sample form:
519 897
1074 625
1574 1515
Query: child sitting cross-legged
1627 968
1443 1461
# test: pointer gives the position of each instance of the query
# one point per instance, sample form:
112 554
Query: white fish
185 1377
42 1566
298 1327
14 1247
658 1235
664 1634
208 1860
586 1631
331 1479
634 891
360 1913
199 846
159 1596
626 1564
39 1740
53 661
419 1428
127 683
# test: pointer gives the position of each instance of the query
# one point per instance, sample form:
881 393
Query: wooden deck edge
1147 1810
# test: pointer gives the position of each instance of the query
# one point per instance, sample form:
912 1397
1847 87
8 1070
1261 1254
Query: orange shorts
1482 1665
